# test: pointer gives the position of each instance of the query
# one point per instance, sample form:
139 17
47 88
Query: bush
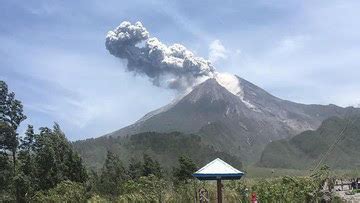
97 199
66 191
146 189
286 189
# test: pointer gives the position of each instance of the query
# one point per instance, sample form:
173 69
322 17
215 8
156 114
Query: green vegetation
35 162
65 191
335 143
163 147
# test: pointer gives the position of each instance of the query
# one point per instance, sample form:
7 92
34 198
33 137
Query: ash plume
172 66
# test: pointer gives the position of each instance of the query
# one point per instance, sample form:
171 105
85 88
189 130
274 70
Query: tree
6 171
55 159
75 169
24 180
25 154
5 179
151 166
135 169
11 115
113 175
185 170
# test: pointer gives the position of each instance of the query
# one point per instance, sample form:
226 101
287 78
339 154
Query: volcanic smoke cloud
172 66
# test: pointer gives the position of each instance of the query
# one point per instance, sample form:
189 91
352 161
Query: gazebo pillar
219 190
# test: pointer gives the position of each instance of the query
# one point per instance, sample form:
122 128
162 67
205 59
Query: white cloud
217 51
238 52
291 44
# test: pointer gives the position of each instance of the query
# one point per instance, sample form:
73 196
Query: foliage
11 115
151 167
293 189
55 160
39 161
65 191
113 175
6 175
5 172
185 192
286 189
184 171
335 143
135 170
97 199
146 189
163 147
11 109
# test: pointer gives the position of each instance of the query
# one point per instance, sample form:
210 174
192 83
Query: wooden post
219 190
195 190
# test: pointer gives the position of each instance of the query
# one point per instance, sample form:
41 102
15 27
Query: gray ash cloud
172 66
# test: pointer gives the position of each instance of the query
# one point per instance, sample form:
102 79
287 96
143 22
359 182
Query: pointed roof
218 169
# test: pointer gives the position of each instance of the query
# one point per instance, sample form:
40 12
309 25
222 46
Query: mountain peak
230 82
210 89
241 116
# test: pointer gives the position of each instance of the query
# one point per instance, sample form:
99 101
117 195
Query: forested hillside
335 143
164 147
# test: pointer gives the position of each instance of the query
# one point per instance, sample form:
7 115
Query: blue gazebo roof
218 169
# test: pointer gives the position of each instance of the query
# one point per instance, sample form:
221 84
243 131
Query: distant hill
234 116
306 149
164 147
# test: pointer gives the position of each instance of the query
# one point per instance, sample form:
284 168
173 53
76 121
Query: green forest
309 147
43 166
164 147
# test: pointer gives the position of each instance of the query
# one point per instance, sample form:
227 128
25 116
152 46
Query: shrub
66 191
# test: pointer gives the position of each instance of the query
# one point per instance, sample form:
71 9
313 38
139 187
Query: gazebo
218 170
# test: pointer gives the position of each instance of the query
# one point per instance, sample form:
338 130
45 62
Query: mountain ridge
334 143
251 116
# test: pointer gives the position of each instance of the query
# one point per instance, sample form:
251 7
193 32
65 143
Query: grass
260 172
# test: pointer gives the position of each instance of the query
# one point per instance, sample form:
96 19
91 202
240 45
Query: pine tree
25 177
135 169
151 166
113 175
55 159
185 170
11 115
25 154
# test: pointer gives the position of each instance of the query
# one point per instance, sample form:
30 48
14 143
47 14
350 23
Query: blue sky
53 55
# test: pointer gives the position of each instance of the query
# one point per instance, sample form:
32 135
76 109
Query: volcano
236 116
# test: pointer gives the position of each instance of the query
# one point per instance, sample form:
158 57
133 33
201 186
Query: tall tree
11 115
55 159
113 175
135 169
185 170
25 153
5 178
151 166
24 180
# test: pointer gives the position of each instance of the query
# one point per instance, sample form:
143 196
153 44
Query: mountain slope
164 147
306 149
241 119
